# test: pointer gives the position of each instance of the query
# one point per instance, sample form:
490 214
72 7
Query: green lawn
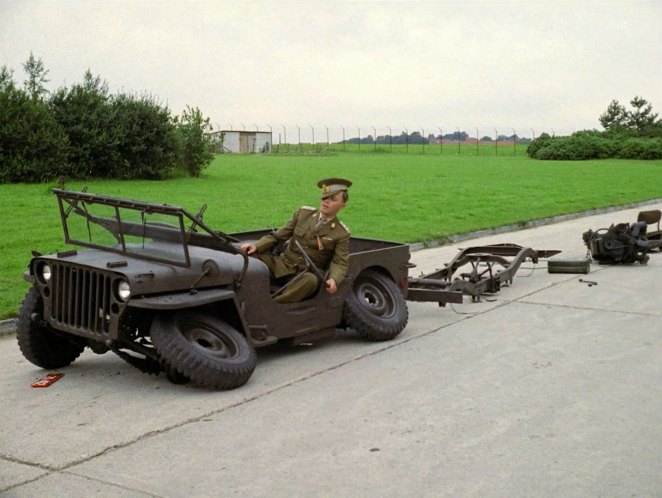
502 149
410 197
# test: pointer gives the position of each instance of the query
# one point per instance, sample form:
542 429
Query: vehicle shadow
284 349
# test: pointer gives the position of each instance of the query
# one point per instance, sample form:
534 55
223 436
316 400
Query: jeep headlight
123 290
44 271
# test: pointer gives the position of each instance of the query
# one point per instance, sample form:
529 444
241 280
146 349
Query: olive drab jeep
167 293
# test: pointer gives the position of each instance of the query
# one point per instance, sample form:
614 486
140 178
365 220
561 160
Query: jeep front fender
182 300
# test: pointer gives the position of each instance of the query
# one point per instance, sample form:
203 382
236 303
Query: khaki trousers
299 286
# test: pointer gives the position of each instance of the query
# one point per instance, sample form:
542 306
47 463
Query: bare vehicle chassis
489 269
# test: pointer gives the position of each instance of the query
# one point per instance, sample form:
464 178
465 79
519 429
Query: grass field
503 149
395 196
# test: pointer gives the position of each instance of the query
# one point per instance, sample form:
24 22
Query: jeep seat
651 217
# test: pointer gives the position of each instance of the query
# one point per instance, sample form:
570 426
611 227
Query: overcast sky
541 65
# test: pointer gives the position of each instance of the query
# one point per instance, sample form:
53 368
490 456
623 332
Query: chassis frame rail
490 267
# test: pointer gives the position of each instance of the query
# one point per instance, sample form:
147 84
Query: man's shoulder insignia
308 208
345 227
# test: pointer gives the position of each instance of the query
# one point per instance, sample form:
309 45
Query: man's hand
331 286
249 248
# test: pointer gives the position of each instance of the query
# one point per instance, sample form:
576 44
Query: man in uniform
323 237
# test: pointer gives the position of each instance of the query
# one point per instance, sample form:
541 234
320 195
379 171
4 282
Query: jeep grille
81 300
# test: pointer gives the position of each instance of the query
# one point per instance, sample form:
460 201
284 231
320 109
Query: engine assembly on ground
621 243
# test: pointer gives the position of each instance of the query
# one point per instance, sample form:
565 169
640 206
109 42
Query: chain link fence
310 139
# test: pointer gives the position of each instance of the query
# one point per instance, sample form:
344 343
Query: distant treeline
417 138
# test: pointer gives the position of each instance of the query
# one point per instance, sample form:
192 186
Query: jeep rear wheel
375 307
38 342
204 349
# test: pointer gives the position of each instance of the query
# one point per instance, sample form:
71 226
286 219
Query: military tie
320 223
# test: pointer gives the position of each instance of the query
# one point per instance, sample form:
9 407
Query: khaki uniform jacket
327 247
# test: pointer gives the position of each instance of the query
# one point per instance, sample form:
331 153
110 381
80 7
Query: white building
242 142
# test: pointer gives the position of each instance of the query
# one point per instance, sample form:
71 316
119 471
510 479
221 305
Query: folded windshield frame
153 232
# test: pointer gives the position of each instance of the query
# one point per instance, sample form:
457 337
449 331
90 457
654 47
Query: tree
641 118
615 117
6 78
144 137
84 113
85 132
417 138
36 78
120 136
457 136
33 147
195 144
640 121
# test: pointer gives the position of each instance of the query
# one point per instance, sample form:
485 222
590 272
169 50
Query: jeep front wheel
38 342
204 349
375 307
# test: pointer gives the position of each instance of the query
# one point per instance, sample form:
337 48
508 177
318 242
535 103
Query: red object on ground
47 380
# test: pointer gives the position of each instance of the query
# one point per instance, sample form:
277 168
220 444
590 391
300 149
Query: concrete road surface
551 388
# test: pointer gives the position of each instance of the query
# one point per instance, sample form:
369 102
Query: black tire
204 349
39 343
375 308
173 375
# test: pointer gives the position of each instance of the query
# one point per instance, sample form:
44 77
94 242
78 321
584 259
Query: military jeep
167 293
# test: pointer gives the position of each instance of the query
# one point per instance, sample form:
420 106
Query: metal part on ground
623 243
569 265
474 271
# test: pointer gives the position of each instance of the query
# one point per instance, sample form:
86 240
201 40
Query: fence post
458 140
441 141
287 147
299 146
514 143
424 139
406 140
477 143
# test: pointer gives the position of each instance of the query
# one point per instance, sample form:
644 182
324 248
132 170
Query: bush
83 111
33 147
640 148
542 141
145 138
118 136
84 132
595 145
564 149
579 146
194 144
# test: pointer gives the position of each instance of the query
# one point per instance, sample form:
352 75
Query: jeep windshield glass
142 230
